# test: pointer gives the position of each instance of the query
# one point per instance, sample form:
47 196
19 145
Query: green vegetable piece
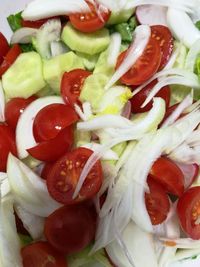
25 240
124 31
81 138
132 23
46 91
119 17
31 162
15 21
27 47
88 61
102 65
54 68
180 60
89 43
24 78
197 24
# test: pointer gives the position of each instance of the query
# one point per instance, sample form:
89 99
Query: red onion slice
126 112
190 172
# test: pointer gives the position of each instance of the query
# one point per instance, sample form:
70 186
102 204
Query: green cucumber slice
24 78
88 61
89 43
119 17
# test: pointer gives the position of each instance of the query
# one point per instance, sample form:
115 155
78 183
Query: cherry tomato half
71 228
146 65
53 149
10 58
157 202
14 108
46 170
62 181
42 254
165 39
4 47
188 210
138 99
91 21
167 173
34 24
51 120
7 144
71 84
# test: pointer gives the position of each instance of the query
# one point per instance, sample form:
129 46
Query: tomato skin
7 145
4 47
157 202
42 254
188 212
167 173
14 108
71 228
145 66
46 170
165 39
34 24
71 84
52 149
64 176
10 58
51 120
91 21
138 99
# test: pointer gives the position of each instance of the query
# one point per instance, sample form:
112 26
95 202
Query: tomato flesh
42 254
46 170
138 99
64 176
167 173
157 202
71 84
71 228
51 120
4 47
165 39
14 108
91 21
188 210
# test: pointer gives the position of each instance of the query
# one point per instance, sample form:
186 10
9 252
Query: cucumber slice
24 78
58 48
54 68
119 17
88 61
89 43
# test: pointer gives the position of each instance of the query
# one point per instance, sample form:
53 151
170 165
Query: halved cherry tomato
138 99
14 108
51 120
146 65
64 176
188 210
34 24
165 39
52 149
157 202
167 173
71 84
42 254
91 21
4 47
10 58
71 228
7 144
46 170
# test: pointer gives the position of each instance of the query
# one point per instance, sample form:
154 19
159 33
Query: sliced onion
126 112
152 15
190 172
2 103
114 49
24 130
57 48
23 35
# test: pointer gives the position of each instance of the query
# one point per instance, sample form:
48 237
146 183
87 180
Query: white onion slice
152 15
142 34
24 130
23 35
114 49
2 103
108 155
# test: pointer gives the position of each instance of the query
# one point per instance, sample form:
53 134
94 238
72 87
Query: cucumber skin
54 68
88 43
24 78
119 17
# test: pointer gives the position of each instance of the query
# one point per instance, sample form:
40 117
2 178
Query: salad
100 134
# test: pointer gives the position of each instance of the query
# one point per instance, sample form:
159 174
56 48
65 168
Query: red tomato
157 202
7 144
14 108
42 254
165 39
51 120
10 58
145 67
167 173
4 47
71 85
91 21
34 24
138 99
188 210
53 149
71 228
64 176
46 170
